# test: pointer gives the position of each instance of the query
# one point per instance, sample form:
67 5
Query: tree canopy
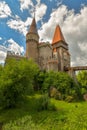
82 78
16 80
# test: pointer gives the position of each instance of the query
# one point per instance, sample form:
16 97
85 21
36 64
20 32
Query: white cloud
74 29
38 1
40 11
19 25
3 48
40 8
4 10
3 51
11 46
24 4
14 47
56 17
59 2
0 38
22 26
2 56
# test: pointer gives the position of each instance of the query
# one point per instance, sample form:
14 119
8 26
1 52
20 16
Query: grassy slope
69 116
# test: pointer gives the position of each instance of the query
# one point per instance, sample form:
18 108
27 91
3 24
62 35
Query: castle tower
59 44
32 40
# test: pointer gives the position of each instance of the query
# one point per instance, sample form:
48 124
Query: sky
16 17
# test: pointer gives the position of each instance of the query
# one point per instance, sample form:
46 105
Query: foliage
68 116
82 78
16 81
1 70
63 82
69 98
39 79
44 103
24 123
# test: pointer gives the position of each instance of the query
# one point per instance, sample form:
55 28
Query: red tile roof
58 36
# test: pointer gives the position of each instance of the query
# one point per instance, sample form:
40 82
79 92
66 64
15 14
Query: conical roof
33 28
58 36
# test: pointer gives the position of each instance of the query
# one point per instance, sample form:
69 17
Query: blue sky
16 17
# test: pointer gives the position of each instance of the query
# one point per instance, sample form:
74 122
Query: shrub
64 84
44 103
16 81
69 98
52 91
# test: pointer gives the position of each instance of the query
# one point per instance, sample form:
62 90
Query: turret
59 44
32 40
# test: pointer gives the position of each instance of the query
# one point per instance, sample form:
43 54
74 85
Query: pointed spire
33 28
58 36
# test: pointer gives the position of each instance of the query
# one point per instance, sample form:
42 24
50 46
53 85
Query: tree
39 79
1 69
82 78
16 81
62 81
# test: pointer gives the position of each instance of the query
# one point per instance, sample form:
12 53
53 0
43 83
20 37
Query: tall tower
32 40
59 44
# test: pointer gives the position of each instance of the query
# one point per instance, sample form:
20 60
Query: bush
52 91
44 103
64 84
69 98
16 81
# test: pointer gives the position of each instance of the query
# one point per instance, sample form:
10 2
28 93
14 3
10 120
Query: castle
49 56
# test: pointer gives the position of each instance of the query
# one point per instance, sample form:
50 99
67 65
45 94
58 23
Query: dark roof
33 28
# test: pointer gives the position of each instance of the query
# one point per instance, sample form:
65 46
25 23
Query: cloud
40 8
2 56
40 11
19 25
3 48
22 26
3 51
56 17
4 10
0 38
38 1
59 2
14 47
24 4
74 29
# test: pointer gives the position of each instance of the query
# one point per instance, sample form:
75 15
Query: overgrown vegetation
24 123
44 103
68 116
65 85
26 91
16 80
82 80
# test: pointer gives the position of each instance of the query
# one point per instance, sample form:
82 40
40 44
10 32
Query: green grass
68 116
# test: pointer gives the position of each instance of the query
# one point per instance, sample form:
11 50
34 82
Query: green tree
1 69
39 79
16 81
62 81
82 78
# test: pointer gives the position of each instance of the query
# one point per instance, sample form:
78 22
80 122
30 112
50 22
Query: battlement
13 54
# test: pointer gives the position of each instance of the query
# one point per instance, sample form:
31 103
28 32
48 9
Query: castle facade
49 56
